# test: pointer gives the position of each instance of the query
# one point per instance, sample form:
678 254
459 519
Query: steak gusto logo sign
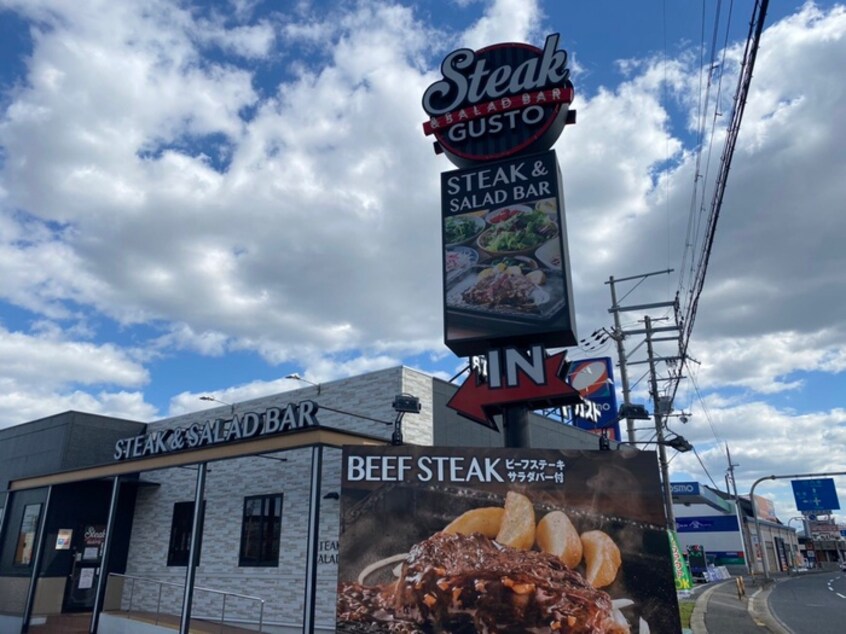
499 101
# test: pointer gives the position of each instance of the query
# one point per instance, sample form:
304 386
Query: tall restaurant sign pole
495 115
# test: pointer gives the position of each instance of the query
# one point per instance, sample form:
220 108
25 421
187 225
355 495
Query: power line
714 67
753 40
694 218
704 468
702 402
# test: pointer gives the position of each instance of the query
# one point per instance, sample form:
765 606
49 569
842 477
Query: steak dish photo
470 583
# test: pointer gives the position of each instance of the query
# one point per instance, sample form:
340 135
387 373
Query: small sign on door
63 539
86 578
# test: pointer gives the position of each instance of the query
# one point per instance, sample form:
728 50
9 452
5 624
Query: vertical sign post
495 115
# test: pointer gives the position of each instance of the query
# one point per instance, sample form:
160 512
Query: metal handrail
161 584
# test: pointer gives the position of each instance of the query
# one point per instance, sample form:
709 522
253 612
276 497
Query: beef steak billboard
462 540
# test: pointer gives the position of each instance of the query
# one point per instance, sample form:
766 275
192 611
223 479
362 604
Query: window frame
268 520
179 557
28 530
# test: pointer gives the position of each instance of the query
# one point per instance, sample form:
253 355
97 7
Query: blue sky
204 197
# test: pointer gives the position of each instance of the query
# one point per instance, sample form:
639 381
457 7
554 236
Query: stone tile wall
351 404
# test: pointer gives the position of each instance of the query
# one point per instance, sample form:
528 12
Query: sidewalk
719 610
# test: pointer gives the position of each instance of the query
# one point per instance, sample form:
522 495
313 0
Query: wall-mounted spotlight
403 404
296 377
406 404
217 400
635 411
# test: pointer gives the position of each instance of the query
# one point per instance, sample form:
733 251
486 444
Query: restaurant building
98 512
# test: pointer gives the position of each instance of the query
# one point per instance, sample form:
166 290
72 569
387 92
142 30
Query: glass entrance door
81 586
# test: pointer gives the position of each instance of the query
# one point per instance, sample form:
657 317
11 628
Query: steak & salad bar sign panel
506 264
503 540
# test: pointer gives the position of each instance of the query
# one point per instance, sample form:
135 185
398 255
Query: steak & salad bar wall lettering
274 420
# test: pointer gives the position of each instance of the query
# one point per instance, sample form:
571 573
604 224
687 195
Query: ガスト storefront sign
274 420
499 101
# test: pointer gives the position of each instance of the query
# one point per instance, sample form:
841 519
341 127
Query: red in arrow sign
478 401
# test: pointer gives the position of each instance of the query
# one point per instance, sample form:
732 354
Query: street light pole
755 508
761 545
747 555
795 546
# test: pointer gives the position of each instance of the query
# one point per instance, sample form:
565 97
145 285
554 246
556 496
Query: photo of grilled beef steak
469 583
453 581
369 610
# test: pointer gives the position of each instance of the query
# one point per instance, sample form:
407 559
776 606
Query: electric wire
664 96
712 135
695 277
753 40
691 281
701 116
704 468
703 405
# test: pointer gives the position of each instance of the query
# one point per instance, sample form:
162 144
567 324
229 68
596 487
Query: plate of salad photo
462 229
518 235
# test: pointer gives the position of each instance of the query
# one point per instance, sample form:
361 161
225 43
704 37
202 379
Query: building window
27 534
180 534
261 530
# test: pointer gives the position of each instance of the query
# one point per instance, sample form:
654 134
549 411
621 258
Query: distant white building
710 519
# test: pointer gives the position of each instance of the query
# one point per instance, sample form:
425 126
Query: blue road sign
815 495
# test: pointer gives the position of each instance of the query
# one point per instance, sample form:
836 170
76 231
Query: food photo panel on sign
503 540
506 272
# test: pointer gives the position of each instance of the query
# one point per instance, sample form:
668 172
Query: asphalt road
811 604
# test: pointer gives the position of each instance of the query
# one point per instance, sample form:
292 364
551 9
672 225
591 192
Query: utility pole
619 337
659 428
660 406
621 356
740 523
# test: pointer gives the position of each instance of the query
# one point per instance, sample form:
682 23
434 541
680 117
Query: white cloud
75 362
45 374
251 42
147 183
763 441
504 21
